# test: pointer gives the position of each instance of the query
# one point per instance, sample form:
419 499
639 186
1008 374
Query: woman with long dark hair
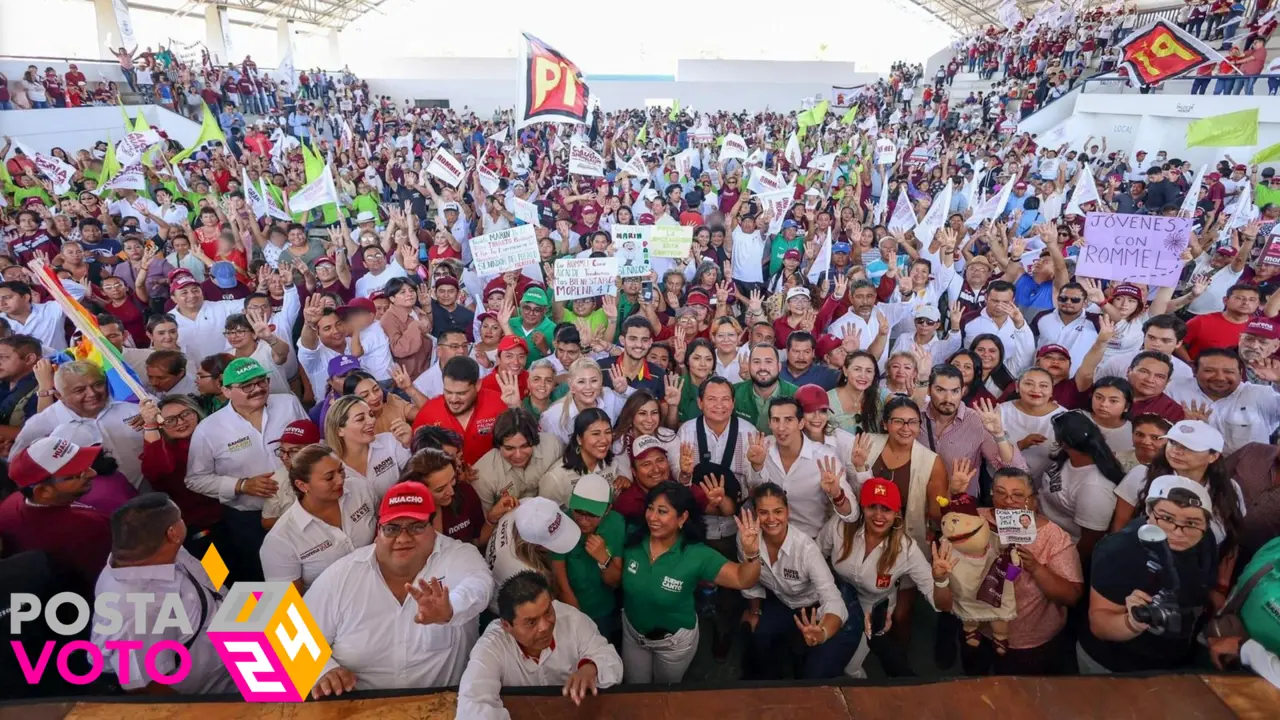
664 561
590 450
857 399
970 367
996 377
1077 492
699 363
1109 401
641 415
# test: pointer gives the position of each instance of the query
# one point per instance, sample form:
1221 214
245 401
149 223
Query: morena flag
1162 51
551 86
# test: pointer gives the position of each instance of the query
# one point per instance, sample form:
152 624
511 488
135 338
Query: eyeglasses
180 417
454 346
392 532
1069 299
926 321
251 384
1189 529
904 422
235 331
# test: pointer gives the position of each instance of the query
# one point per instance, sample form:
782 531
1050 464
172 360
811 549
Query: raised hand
883 322
842 287
713 486
748 532
861 452
830 471
989 412
509 388
943 560
401 431
434 606
1197 411
809 621
962 473
674 387
258 321
400 377
1106 328
688 457
756 451
755 301
610 306
617 379
955 315
1266 369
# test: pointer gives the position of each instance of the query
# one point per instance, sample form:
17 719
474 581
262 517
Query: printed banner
734 147
1016 527
684 163
823 163
320 191
1086 190
845 97
446 167
551 86
273 209
123 21
132 177
524 210
761 182
1137 248
670 241
503 250
633 167
631 248
585 278
58 172
252 194
886 151
904 217
489 179
777 204
130 149
1162 51
583 160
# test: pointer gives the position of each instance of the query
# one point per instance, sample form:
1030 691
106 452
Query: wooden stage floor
1184 697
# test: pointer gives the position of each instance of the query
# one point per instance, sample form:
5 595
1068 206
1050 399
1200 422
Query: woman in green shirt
661 568
699 363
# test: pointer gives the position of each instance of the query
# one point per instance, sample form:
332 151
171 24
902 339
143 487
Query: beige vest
917 496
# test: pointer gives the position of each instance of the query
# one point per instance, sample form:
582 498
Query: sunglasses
1068 299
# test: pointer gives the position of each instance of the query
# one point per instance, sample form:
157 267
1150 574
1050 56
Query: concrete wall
766 71
75 129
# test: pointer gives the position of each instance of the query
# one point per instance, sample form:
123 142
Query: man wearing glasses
230 459
400 612
1067 325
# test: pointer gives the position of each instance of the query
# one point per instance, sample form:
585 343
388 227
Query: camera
1163 615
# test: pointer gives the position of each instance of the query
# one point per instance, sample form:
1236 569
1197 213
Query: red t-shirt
1212 331
477 436
77 537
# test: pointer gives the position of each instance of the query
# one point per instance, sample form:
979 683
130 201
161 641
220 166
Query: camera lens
1142 614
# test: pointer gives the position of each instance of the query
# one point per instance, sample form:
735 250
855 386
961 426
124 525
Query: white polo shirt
376 638
810 506
369 283
748 254
189 581
1118 366
301 545
1019 343
376 359
45 323
1076 336
225 448
1250 414
110 427
799 578
202 336
386 458
497 661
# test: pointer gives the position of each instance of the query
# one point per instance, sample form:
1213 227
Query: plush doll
982 576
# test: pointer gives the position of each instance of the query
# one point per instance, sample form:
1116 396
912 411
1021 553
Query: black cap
1268 172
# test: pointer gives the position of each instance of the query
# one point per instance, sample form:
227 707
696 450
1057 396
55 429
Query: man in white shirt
1243 412
127 207
85 401
799 465
231 461
323 339
747 246
1003 319
380 271
42 321
1067 325
1162 334
400 613
537 641
200 322
369 341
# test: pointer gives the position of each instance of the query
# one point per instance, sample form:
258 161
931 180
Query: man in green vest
533 325
751 397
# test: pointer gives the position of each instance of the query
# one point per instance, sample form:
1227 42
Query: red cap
1020 186
697 297
511 342
1240 167
1053 348
1213 177
299 432
51 457
826 343
364 304
878 491
1227 251
407 499
324 260
812 398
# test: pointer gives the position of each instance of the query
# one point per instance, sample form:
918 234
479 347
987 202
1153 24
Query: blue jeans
1222 86
774 634
41 104
1273 85
1244 85
1199 86
131 77
7 105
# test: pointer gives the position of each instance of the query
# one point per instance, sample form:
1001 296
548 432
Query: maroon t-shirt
1162 405
77 537
1069 396
465 520
630 502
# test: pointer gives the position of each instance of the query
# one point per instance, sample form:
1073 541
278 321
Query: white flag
971 193
904 218
446 167
1188 208
778 203
822 163
179 178
935 218
1086 190
1242 210
273 210
684 163
130 149
882 205
500 136
252 194
58 172
132 177
632 167
993 207
320 191
734 147
488 179
583 160
822 262
792 153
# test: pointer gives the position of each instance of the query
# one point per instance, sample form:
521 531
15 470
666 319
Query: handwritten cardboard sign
1138 248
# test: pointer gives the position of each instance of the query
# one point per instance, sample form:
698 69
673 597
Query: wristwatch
605 565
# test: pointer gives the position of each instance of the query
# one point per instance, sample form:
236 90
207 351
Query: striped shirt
965 438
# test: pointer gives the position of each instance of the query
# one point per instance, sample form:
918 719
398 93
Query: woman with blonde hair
376 458
333 511
586 390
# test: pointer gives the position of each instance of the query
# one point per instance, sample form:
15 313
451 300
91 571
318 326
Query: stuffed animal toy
982 576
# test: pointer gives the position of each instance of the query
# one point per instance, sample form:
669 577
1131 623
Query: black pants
245 536
777 633
728 604
1046 659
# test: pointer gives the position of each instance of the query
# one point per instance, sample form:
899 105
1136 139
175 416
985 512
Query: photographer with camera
1151 583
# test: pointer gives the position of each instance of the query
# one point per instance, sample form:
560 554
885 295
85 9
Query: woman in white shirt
376 458
1028 419
1077 491
872 554
589 450
332 517
586 390
1110 400
1126 309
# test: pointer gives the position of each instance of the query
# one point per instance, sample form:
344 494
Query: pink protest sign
1137 248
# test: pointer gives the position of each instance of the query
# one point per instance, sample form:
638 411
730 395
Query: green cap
242 370
537 296
591 495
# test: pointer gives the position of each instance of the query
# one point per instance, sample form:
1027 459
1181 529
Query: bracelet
942 584
751 558
1001 438
839 499
826 634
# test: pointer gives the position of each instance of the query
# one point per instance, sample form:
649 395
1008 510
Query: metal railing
1178 86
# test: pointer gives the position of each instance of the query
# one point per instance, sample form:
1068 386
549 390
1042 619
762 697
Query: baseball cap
928 312
591 495
644 444
179 280
789 224
826 343
1128 290
1213 177
323 260
697 297
878 491
223 274
536 296
812 398
1263 328
840 247
645 219
451 206
797 292
540 522
1227 251
446 281
51 457
342 365
242 370
1165 484
299 432
1053 348
1020 186
357 305
792 254
591 207
1240 167
407 499
511 342
1195 435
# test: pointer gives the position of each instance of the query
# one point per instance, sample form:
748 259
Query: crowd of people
786 441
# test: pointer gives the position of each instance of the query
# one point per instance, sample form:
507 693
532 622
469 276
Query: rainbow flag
92 346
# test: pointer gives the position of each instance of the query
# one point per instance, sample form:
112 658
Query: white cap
364 217
540 522
591 495
929 312
451 206
644 444
81 434
797 292
1195 435
1163 485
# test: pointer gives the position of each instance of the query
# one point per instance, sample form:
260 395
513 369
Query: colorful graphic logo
269 642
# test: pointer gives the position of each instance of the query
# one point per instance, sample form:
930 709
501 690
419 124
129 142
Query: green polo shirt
779 247
595 598
547 328
754 409
1264 194
661 595
688 408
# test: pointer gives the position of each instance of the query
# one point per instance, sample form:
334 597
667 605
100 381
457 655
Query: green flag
314 166
140 123
1236 129
209 132
675 112
1267 154
128 124
814 115
850 116
110 166
643 134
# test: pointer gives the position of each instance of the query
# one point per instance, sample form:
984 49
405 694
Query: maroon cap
812 398
591 207
826 343
1263 328
1127 290
792 254
1227 251
324 260
645 219
446 281
299 432
364 304
698 297
1053 348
